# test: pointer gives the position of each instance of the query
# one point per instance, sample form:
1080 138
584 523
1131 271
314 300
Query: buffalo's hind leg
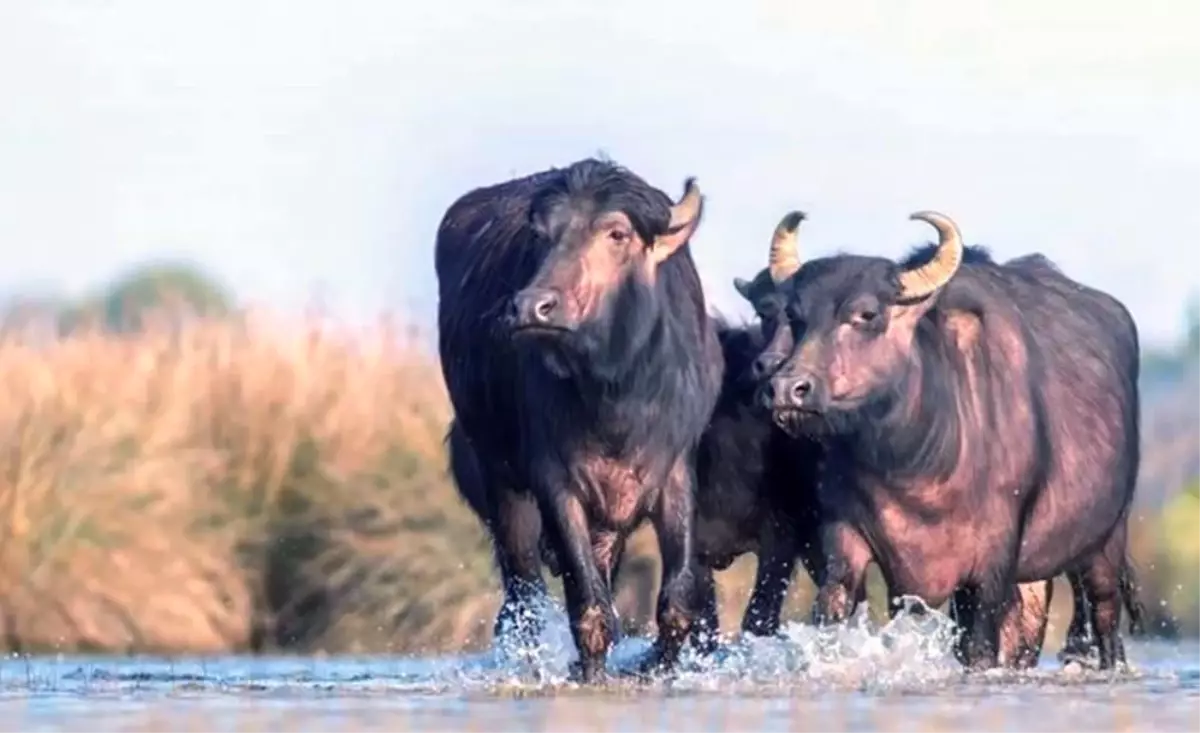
514 523
680 596
1079 646
1131 595
1102 584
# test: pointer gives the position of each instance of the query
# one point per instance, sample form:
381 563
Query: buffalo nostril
760 368
800 390
543 309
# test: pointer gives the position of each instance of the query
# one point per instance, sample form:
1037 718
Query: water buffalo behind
755 484
981 428
582 368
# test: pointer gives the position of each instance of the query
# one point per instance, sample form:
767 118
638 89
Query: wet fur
591 435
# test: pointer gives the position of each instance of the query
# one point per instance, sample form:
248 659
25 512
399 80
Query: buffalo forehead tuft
593 187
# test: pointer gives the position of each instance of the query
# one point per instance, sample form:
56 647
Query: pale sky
299 147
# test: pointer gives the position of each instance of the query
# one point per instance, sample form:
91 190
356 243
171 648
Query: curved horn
924 280
784 258
688 207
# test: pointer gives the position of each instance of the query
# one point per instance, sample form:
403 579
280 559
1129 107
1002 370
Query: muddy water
901 677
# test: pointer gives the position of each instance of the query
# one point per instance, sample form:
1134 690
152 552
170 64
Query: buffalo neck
915 428
648 359
647 388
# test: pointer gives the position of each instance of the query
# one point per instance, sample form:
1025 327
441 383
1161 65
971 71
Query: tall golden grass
243 484
231 484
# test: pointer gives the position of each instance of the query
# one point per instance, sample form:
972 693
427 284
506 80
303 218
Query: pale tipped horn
688 207
926 279
784 258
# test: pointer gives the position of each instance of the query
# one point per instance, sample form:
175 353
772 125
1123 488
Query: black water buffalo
583 368
756 486
755 489
980 423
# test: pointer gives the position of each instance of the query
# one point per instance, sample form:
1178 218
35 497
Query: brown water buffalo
980 423
583 368
1023 633
757 485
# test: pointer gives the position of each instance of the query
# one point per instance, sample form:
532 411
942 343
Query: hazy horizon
300 147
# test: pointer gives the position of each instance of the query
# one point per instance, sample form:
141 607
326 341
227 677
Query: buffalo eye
866 316
618 236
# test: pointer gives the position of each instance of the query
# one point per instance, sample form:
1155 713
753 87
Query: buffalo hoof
761 627
654 665
1082 655
981 663
591 672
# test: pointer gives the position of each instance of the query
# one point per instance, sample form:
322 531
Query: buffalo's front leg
962 610
1023 630
991 598
842 586
708 622
608 549
679 597
978 643
516 527
589 602
776 563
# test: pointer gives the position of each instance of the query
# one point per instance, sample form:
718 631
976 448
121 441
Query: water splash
914 647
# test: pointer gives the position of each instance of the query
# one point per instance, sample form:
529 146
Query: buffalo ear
907 314
742 286
669 243
685 218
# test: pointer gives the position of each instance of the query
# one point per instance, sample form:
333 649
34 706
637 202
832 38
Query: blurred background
221 418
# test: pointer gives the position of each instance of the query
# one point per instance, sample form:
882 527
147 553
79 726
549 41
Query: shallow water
899 677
